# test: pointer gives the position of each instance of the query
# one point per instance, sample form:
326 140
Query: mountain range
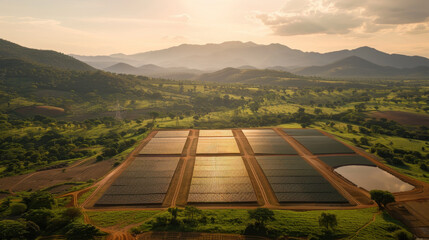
236 54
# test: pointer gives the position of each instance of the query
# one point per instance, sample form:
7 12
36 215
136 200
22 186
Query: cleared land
217 145
338 161
145 181
403 117
294 180
322 145
220 180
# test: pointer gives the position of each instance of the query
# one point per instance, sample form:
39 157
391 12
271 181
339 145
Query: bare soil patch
405 118
82 172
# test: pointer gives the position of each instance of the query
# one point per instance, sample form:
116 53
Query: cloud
302 17
181 17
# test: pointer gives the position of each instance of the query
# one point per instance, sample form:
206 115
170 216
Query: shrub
18 208
78 231
39 216
382 198
403 235
10 229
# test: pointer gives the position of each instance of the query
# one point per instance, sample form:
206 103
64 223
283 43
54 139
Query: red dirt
50 111
405 118
81 171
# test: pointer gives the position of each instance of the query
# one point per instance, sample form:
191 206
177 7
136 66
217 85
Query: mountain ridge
235 54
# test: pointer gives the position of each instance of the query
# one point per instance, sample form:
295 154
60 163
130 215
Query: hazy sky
91 27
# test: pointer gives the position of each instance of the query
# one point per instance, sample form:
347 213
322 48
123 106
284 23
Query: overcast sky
95 27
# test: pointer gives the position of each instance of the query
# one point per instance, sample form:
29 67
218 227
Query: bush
403 235
71 213
10 229
39 199
78 231
17 208
39 216
424 167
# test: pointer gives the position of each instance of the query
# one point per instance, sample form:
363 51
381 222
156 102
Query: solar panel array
172 134
145 181
259 132
216 145
302 132
220 180
338 161
322 145
270 145
164 146
216 133
294 180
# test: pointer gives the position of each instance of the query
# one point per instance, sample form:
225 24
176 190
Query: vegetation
29 215
382 198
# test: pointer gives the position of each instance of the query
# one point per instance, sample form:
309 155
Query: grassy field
119 218
294 223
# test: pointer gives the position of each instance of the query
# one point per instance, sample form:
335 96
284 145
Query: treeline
50 142
30 215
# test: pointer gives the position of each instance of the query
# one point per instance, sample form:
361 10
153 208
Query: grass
294 223
85 195
120 218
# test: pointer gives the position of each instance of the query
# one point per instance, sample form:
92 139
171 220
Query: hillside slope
358 67
45 57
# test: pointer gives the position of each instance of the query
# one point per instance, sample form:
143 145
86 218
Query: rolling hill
151 70
11 50
248 76
357 67
237 54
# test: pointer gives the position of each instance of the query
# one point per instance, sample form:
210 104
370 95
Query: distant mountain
248 76
151 70
11 50
238 54
357 67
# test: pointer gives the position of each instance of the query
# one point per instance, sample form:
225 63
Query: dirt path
364 226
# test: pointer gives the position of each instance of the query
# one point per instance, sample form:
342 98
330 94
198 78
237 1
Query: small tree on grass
328 221
191 212
261 217
173 212
382 198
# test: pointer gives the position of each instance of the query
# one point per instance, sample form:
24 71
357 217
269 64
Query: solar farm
269 167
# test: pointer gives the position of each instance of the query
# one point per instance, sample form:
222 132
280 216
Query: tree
10 229
79 231
39 199
254 107
39 216
72 213
191 211
382 198
18 208
328 220
317 111
154 115
261 215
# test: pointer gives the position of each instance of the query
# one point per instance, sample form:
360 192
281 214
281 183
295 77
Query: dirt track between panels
179 188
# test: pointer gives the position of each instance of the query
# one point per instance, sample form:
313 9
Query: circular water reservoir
371 178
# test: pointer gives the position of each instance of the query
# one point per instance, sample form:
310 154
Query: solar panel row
294 180
322 145
220 180
338 161
145 181
164 146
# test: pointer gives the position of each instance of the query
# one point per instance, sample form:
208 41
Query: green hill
249 76
23 76
45 57
358 67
